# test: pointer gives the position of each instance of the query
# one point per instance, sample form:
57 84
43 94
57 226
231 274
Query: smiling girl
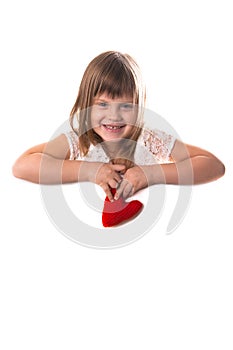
110 145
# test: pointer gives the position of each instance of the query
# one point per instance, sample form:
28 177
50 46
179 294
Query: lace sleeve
159 144
72 139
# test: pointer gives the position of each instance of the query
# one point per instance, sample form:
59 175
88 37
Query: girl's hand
106 175
134 180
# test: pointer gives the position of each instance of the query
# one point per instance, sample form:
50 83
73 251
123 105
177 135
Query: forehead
105 97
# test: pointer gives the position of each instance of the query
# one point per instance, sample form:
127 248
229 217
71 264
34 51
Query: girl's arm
49 163
43 163
190 165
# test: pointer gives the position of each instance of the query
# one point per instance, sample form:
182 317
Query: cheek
132 119
95 118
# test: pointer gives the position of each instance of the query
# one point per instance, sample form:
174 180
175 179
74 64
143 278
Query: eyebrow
105 100
100 99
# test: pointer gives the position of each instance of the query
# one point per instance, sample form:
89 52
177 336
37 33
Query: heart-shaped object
119 211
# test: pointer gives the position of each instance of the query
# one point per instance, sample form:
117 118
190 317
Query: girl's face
113 119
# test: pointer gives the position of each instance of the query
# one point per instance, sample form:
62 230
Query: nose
114 113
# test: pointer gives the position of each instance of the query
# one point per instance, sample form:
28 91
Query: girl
110 145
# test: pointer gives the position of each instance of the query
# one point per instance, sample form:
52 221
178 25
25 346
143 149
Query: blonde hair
117 75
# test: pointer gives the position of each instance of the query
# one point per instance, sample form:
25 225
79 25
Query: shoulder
71 136
57 147
158 143
73 142
155 135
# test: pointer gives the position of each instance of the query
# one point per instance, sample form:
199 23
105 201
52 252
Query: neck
112 148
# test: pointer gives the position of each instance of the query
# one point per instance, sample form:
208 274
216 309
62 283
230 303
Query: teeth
112 127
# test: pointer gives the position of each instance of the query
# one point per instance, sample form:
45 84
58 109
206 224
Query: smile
113 127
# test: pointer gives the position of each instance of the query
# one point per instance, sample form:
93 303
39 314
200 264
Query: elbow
221 169
209 169
218 169
18 170
22 169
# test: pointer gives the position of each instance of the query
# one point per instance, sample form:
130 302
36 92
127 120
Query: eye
102 104
127 106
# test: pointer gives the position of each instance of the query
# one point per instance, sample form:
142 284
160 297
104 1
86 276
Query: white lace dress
153 146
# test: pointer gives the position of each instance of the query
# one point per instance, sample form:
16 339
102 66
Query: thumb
118 167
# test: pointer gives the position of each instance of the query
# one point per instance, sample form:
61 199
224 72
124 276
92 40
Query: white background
162 292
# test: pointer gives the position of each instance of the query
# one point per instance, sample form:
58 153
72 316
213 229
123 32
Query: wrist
154 174
90 170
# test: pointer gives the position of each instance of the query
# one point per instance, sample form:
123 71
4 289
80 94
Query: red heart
119 211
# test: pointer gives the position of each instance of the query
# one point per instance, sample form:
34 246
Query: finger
118 167
128 189
113 183
121 189
108 192
118 178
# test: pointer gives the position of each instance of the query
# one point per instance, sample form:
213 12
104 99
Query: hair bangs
116 80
